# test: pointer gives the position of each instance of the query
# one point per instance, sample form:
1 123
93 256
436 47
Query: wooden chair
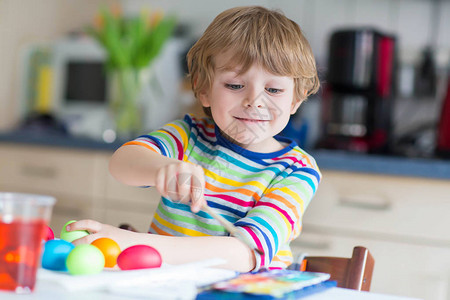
352 273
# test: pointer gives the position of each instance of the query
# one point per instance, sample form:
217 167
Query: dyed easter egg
55 254
110 250
139 257
49 235
71 236
85 259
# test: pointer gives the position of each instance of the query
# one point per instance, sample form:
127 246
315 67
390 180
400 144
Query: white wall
410 20
24 21
29 21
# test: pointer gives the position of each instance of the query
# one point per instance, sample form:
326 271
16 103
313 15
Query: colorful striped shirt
264 194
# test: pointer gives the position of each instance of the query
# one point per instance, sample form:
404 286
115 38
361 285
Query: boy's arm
137 162
174 250
175 179
136 165
179 250
276 219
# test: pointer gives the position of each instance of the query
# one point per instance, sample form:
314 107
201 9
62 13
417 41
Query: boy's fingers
199 200
171 183
89 225
160 183
184 187
197 190
85 240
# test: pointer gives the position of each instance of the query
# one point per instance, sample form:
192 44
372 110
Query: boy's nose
254 99
250 104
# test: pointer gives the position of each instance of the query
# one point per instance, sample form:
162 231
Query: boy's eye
234 86
274 91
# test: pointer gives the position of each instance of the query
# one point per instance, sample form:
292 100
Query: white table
346 294
167 282
46 291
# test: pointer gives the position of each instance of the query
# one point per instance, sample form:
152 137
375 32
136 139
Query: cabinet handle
38 171
367 202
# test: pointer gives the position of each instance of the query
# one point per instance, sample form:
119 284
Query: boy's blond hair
254 34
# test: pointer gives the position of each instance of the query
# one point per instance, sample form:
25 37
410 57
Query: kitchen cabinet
402 221
127 204
80 182
70 176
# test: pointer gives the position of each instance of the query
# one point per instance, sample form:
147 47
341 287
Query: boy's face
252 107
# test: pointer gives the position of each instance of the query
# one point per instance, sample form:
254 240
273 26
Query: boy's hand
182 182
98 230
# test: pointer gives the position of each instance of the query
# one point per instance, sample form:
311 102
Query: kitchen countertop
57 140
326 159
382 164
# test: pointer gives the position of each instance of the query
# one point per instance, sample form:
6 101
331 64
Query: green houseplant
131 44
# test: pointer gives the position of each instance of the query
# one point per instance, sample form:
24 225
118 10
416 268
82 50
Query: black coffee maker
357 98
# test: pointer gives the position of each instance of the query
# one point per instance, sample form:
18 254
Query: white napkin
179 285
176 279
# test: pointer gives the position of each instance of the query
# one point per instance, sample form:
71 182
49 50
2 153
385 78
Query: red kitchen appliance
357 100
443 140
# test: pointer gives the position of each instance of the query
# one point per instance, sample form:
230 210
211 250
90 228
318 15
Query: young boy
251 70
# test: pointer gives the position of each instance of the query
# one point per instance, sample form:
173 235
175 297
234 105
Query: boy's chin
244 139
252 143
255 140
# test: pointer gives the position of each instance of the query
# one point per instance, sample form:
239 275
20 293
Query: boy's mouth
251 120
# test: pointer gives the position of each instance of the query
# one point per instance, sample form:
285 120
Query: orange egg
110 250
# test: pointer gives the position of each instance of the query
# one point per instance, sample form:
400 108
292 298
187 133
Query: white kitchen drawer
61 215
48 170
139 220
394 208
131 205
118 194
121 194
400 268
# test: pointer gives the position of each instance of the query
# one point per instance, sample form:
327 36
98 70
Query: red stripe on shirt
258 243
283 212
232 199
294 159
208 133
179 146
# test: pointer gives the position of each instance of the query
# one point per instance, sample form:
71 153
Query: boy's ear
297 102
204 99
295 106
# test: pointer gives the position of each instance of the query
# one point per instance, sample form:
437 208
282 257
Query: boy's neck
267 146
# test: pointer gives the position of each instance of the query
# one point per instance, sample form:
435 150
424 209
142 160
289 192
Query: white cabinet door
400 269
128 204
403 221
139 220
48 170
72 177
388 207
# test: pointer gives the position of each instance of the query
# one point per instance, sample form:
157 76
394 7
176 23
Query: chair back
351 273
